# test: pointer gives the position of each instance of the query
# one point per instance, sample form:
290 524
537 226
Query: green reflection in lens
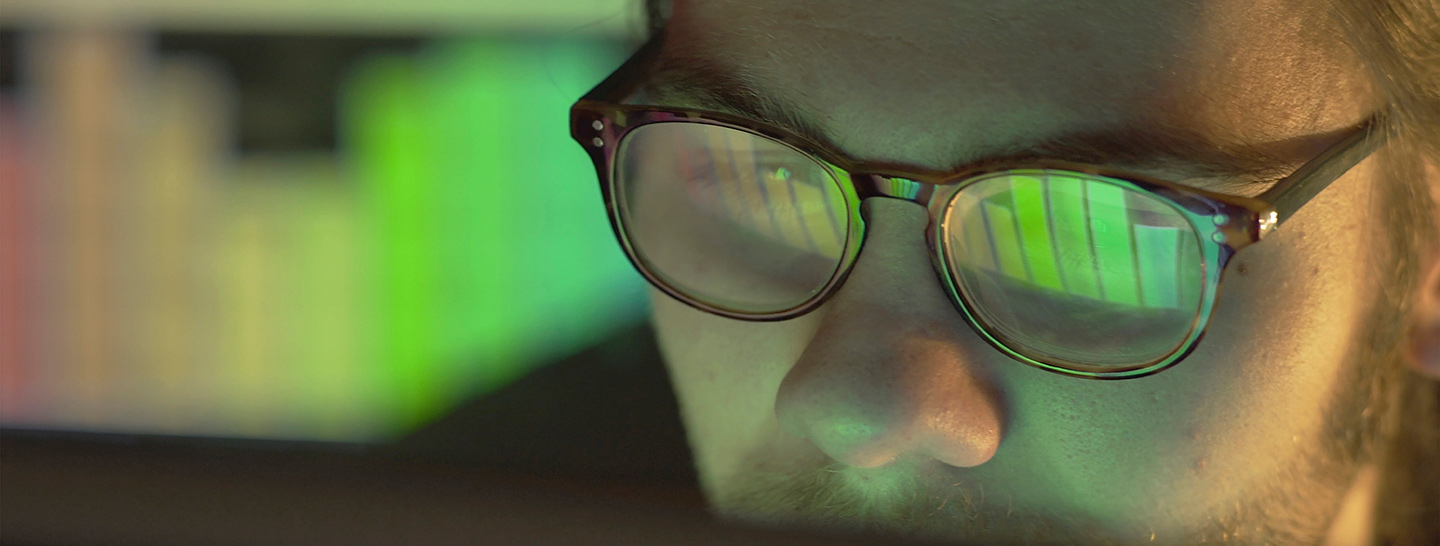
1008 253
1077 263
978 252
1086 238
777 194
1110 237
1034 222
1159 270
1075 268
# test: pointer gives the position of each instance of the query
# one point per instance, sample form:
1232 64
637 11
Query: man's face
885 409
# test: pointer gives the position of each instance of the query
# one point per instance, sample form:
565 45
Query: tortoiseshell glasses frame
601 120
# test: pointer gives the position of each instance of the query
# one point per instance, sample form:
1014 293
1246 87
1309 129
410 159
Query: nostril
908 395
848 436
858 443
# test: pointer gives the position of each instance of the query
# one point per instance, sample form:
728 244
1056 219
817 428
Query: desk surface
588 451
148 491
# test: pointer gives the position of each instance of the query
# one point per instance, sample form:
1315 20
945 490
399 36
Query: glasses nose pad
934 199
904 189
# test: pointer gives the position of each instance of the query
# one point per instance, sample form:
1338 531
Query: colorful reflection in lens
730 218
1075 266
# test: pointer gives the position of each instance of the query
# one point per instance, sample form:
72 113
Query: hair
1398 42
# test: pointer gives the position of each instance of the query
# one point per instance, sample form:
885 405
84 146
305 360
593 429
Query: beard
1296 504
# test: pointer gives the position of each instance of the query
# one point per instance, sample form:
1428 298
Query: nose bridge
893 370
878 185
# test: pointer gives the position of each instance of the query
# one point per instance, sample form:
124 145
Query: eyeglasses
1077 269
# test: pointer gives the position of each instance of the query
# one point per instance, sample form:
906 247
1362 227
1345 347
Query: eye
1076 268
786 202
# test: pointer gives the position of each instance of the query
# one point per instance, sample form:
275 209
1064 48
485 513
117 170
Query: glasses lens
729 218
1076 270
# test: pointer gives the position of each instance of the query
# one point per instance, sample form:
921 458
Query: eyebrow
707 83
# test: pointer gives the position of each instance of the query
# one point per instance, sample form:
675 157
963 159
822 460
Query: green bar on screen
474 89
721 164
1034 221
1159 249
789 220
976 251
742 171
1007 243
1067 216
383 109
1110 233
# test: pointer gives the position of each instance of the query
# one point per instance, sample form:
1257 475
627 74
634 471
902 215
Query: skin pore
883 410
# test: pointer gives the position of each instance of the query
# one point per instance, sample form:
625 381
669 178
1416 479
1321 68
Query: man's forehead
929 81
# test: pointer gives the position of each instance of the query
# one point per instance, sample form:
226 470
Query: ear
1423 346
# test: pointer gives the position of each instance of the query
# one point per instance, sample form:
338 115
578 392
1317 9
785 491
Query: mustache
911 501
898 501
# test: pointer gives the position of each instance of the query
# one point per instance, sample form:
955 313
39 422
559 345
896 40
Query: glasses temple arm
1295 190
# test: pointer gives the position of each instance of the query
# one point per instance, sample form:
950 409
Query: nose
893 371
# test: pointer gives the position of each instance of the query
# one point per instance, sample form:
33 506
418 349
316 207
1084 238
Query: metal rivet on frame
598 142
597 125
1218 237
1220 219
1269 222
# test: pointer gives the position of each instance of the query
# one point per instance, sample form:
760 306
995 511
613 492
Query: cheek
1234 414
726 373
1288 317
